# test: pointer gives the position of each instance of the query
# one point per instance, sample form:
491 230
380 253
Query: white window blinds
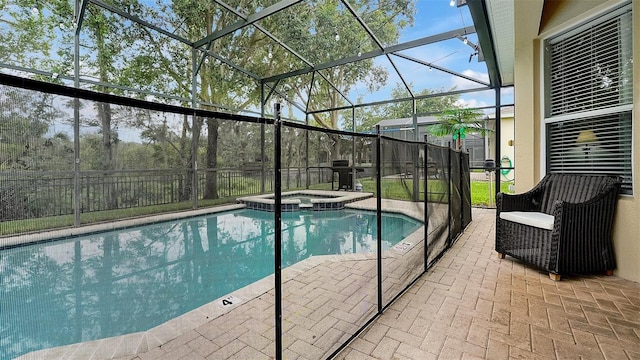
589 97
590 67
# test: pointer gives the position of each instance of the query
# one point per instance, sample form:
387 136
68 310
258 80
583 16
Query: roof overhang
493 20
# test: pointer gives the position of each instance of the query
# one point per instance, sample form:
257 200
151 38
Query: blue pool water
131 280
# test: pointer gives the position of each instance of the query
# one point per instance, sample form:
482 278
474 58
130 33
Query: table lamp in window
587 139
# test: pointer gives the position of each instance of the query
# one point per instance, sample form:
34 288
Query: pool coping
58 234
143 341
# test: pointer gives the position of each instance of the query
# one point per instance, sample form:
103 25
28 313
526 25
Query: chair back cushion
572 188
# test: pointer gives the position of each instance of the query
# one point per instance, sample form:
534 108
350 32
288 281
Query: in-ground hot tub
304 199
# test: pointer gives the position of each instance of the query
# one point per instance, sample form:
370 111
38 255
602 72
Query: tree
428 105
28 33
25 118
387 18
250 49
368 118
327 32
117 51
459 122
218 83
108 47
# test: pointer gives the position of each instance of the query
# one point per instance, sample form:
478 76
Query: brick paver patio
474 305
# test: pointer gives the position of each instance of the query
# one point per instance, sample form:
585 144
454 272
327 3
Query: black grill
342 168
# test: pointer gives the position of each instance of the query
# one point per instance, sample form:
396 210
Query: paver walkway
472 305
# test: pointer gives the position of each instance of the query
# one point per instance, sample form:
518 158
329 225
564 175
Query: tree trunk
105 116
289 157
185 189
336 148
163 145
104 113
211 188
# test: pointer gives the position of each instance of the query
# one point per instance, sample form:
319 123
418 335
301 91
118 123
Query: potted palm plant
458 123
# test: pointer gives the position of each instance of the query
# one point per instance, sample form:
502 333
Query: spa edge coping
330 196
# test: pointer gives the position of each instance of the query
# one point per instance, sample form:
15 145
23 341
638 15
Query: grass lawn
402 190
480 193
53 222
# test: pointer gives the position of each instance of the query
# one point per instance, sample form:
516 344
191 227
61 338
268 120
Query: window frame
577 27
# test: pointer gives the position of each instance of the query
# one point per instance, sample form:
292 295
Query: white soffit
500 13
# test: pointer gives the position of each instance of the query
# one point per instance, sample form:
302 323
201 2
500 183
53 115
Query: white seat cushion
536 219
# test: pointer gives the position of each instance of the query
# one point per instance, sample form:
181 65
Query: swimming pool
131 280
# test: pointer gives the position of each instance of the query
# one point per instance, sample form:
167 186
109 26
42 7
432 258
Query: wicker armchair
563 225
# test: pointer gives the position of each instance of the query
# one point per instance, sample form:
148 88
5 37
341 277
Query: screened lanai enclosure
171 165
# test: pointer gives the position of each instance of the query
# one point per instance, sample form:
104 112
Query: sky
435 17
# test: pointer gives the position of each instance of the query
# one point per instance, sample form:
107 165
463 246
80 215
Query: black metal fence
28 195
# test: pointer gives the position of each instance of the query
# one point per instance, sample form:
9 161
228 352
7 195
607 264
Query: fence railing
26 195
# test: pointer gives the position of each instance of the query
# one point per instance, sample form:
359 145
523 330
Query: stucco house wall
507 144
537 20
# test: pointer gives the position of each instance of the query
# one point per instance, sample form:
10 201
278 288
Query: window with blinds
589 98
600 145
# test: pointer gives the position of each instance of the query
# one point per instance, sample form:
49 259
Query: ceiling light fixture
468 43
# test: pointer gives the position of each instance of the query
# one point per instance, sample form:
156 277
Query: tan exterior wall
506 134
526 91
533 24
627 230
557 13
